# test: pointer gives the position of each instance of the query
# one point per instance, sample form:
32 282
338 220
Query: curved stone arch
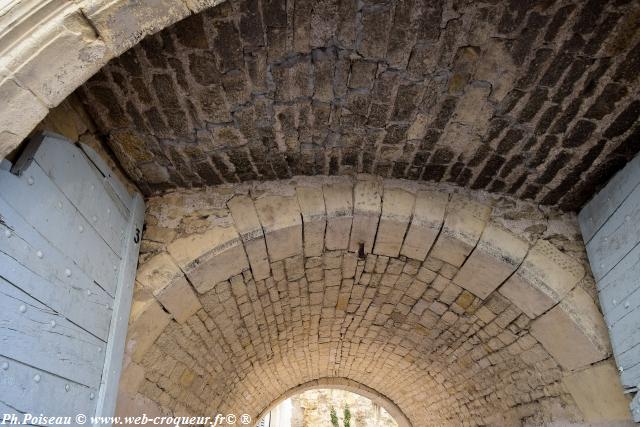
347 385
73 40
258 226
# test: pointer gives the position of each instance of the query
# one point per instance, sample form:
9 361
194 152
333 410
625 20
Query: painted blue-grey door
610 225
69 241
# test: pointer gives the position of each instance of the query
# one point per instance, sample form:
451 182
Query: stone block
573 332
20 111
128 405
598 393
397 208
494 259
179 299
367 203
314 217
245 218
465 220
59 56
168 284
146 322
122 24
428 215
282 225
131 378
545 276
210 257
338 199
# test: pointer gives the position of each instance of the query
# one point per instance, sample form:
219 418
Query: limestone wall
460 308
312 409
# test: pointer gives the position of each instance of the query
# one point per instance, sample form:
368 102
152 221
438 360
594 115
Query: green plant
334 417
347 416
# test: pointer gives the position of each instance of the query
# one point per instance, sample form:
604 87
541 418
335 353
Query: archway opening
327 407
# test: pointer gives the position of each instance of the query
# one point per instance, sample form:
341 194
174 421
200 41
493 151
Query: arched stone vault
531 99
461 308
536 99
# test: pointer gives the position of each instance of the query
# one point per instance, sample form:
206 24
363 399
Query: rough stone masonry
462 309
533 98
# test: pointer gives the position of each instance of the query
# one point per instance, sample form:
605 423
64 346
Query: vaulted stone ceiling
460 308
537 99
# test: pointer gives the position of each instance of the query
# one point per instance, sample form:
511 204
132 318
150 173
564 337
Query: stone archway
458 307
50 48
248 290
347 385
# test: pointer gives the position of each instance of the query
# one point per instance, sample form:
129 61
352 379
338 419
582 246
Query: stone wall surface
50 47
70 120
533 98
313 408
448 345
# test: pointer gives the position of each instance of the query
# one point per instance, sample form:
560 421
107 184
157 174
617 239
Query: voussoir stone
146 322
464 222
314 217
367 202
397 209
210 257
167 282
282 225
598 393
496 256
545 276
573 331
338 199
247 223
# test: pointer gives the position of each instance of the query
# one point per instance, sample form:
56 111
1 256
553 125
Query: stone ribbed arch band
49 48
460 308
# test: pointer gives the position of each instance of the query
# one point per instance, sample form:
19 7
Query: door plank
76 297
619 285
617 237
43 206
32 333
80 181
52 395
110 180
596 213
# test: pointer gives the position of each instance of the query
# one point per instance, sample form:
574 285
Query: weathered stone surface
168 284
573 332
146 322
367 201
488 97
133 405
131 378
338 200
204 264
314 217
463 225
496 256
123 24
282 225
20 108
428 216
598 393
372 316
545 276
397 210
245 219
